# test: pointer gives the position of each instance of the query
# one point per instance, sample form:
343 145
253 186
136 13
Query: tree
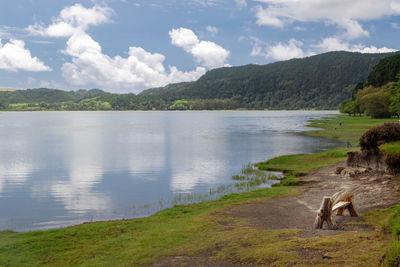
385 71
351 107
374 101
394 107
180 105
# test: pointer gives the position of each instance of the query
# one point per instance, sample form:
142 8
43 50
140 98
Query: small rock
387 176
339 170
348 173
375 179
326 257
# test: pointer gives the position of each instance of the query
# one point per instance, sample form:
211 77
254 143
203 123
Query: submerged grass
252 177
190 230
196 228
181 230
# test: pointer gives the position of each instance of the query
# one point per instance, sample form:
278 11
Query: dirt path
298 212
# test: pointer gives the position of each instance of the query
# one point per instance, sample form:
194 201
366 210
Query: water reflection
62 168
85 169
201 172
14 174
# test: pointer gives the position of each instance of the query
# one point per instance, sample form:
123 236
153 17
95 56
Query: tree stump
325 215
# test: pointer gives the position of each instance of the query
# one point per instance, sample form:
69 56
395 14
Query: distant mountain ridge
321 81
316 82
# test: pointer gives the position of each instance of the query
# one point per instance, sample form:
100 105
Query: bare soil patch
373 190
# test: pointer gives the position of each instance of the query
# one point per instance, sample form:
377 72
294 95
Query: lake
64 168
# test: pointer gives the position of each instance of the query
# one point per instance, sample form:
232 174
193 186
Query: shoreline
184 229
140 209
312 123
166 110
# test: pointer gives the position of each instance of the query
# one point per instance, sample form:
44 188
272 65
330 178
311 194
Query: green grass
388 222
300 164
345 128
181 230
393 254
391 148
189 230
196 228
392 156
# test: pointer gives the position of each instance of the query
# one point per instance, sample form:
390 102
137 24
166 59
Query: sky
126 46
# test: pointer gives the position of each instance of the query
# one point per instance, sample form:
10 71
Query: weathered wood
349 207
344 196
340 204
339 201
341 196
325 215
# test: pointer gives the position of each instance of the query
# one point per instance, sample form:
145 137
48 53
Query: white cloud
353 29
279 51
395 5
45 84
89 65
207 53
41 42
212 29
395 25
184 38
266 16
299 28
73 19
241 3
335 44
210 54
342 13
294 48
208 3
14 56
140 70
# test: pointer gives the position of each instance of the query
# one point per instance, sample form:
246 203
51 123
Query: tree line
317 82
379 95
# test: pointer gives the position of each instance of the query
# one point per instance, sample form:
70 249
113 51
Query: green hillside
321 81
317 82
49 99
379 95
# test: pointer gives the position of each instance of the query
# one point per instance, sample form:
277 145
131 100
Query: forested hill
321 81
316 82
379 96
51 99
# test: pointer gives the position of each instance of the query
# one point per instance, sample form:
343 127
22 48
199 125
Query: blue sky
131 45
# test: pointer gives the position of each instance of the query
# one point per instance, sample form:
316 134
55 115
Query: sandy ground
298 212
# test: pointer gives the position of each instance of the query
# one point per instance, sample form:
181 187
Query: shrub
379 135
393 162
392 157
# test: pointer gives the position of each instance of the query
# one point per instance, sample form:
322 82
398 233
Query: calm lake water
64 168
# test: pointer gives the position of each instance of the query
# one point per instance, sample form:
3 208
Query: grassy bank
199 228
345 128
181 230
